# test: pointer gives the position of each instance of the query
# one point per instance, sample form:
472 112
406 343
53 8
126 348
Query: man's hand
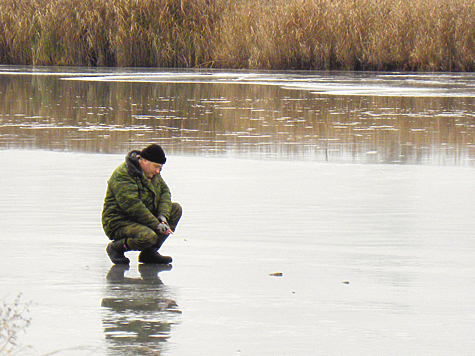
163 228
162 218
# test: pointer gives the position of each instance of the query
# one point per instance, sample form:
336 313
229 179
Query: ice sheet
375 259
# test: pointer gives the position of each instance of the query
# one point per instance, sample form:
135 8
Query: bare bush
14 319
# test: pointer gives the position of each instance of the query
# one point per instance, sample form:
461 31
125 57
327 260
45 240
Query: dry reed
425 35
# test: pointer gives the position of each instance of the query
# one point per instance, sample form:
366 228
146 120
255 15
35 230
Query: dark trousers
140 237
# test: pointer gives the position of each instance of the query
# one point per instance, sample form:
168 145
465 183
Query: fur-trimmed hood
133 164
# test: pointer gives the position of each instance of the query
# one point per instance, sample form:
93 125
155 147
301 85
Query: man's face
150 169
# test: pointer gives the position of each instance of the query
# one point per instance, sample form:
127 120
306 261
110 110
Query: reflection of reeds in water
241 120
277 34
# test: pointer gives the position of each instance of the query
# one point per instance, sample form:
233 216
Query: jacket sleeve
165 202
126 193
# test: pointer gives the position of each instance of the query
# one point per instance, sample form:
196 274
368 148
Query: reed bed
418 35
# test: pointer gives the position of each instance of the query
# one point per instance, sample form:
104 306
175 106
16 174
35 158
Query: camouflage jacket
131 197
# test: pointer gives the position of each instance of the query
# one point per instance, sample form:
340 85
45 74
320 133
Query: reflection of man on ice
138 213
138 313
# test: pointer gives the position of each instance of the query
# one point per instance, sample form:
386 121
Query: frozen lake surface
375 259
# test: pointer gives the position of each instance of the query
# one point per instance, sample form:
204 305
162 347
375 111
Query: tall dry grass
428 35
350 34
155 33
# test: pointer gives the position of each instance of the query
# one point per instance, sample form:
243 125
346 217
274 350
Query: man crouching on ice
138 213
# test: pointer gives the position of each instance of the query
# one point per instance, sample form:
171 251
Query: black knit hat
154 153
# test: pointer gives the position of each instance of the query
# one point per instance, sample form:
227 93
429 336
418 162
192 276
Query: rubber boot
152 256
115 249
